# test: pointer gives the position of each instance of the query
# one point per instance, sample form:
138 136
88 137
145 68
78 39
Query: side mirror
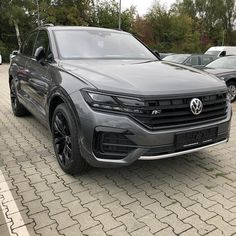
40 53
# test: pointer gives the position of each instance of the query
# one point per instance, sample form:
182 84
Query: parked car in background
221 51
163 55
225 68
13 54
0 58
196 61
109 101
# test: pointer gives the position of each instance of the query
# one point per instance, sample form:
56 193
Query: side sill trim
180 153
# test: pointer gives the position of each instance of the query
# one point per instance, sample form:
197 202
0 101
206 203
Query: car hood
142 77
219 72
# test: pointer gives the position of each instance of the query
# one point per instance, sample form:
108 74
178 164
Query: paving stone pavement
194 194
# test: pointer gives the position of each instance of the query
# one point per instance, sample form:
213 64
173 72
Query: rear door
21 71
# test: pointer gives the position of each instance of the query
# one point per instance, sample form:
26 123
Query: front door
39 76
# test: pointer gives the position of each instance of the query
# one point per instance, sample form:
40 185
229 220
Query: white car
13 54
0 59
221 51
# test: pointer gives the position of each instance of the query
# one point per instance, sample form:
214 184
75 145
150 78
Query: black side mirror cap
40 53
157 54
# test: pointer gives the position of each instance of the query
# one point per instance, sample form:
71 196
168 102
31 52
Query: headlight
101 98
115 103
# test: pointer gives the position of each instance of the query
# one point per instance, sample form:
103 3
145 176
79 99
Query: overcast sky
143 5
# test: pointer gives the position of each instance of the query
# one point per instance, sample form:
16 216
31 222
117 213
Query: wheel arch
231 80
60 96
10 79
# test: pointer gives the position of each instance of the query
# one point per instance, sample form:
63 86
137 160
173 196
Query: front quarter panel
69 82
63 85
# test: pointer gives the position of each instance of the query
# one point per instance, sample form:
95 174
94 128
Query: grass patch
205 168
209 187
223 175
220 174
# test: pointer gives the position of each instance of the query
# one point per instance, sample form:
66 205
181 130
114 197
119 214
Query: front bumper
148 145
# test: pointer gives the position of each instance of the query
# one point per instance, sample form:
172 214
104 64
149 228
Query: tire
232 90
65 141
17 108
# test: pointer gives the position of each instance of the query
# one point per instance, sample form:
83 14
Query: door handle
32 81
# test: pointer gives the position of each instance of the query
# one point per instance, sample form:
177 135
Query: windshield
176 58
215 53
224 63
100 44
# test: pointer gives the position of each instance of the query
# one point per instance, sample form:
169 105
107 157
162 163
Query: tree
171 31
107 14
212 18
14 12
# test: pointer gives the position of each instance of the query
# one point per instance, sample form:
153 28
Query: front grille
112 145
176 112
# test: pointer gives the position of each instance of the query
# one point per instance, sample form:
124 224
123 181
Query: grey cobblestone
167 231
202 227
153 224
73 230
108 221
140 232
50 230
124 198
85 220
158 210
137 209
202 212
118 231
177 225
75 208
180 211
130 222
95 208
94 231
189 195
63 220
116 209
226 215
42 219
223 226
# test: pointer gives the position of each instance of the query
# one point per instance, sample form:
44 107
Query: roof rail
44 25
48 24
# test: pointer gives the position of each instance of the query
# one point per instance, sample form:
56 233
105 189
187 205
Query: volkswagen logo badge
196 106
156 112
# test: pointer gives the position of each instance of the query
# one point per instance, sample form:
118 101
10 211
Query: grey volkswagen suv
109 101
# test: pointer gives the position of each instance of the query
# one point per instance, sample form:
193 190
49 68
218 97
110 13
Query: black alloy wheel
62 139
17 108
232 91
65 141
13 96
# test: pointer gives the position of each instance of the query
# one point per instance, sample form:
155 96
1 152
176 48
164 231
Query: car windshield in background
95 44
214 53
224 62
176 58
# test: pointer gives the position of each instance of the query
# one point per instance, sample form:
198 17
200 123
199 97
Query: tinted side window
42 41
29 45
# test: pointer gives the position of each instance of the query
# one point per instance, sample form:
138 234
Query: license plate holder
190 139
